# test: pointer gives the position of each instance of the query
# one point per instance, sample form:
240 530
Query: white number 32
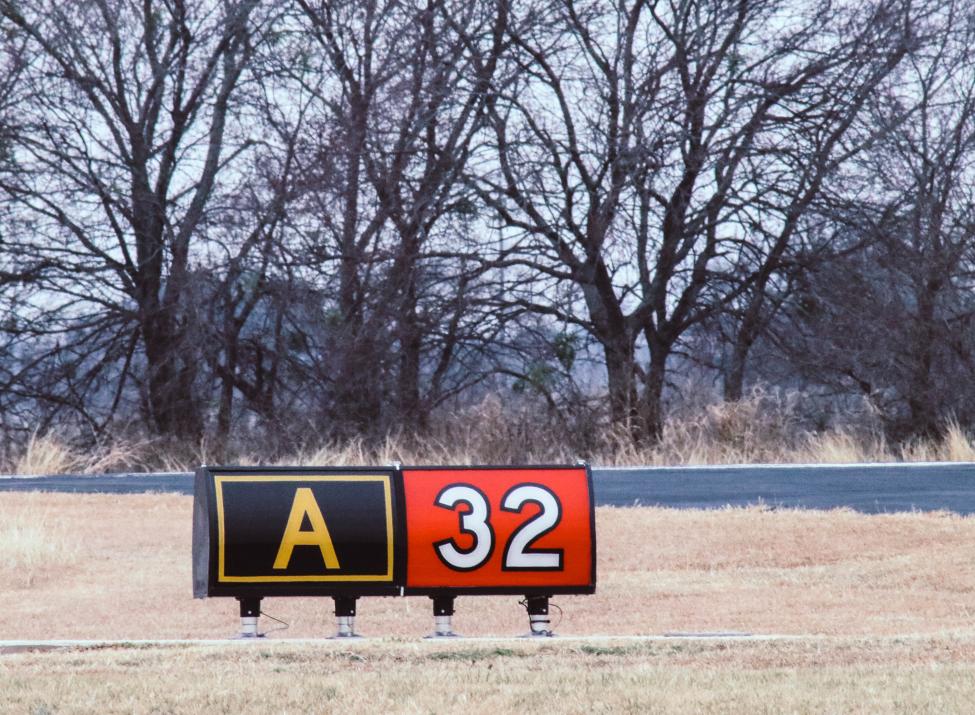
475 520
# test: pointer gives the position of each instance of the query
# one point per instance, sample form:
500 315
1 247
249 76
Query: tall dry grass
765 429
54 454
33 543
761 430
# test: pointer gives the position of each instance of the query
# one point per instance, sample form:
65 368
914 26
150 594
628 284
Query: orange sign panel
501 530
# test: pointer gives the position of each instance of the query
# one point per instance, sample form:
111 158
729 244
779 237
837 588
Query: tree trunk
410 344
356 404
620 381
225 412
173 409
734 377
734 374
611 330
921 399
652 412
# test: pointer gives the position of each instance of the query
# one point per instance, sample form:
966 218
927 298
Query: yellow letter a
318 536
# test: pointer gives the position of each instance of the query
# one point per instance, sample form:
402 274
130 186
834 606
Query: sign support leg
250 612
538 618
443 611
345 616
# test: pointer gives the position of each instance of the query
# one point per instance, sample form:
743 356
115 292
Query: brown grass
848 676
106 566
752 570
32 542
51 454
762 429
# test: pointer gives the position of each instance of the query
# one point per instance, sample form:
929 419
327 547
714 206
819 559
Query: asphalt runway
869 488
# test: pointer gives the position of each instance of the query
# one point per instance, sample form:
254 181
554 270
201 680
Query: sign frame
208 532
525 590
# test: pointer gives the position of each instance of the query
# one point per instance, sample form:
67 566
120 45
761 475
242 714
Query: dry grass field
890 599
845 676
118 566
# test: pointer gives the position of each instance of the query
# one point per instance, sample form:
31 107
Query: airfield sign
394 531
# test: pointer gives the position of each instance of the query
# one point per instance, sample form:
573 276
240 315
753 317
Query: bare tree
13 62
248 285
824 130
894 319
329 218
641 136
128 134
396 99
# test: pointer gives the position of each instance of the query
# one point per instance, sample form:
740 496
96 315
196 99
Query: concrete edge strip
21 646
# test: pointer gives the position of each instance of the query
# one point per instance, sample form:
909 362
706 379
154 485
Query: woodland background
682 230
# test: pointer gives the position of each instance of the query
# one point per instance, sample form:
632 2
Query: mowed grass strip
832 675
118 567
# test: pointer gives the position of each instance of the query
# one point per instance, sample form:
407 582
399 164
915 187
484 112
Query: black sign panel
308 532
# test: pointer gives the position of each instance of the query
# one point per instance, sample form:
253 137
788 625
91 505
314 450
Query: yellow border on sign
383 478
